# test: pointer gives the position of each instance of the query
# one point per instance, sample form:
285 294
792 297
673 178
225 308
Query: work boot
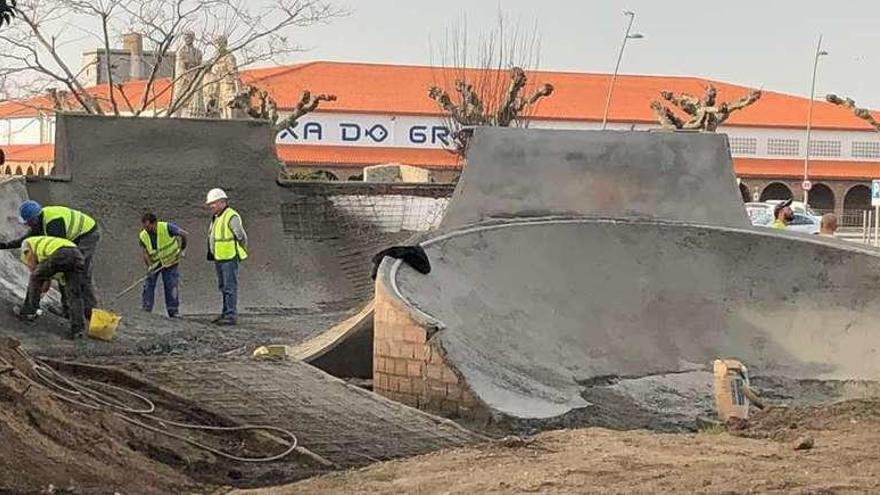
226 322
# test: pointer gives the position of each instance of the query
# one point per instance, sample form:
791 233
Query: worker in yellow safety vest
227 247
64 223
47 257
164 245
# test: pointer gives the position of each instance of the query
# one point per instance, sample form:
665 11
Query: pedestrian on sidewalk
227 248
52 257
828 225
782 215
64 223
164 246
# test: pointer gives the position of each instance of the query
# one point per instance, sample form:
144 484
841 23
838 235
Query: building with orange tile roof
383 115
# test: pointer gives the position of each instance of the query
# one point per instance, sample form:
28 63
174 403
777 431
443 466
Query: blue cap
29 210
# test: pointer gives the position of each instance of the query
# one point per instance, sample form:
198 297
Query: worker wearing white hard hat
227 248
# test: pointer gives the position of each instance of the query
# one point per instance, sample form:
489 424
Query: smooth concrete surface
526 172
308 255
533 312
13 273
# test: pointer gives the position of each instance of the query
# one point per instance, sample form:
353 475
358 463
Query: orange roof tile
402 89
819 169
29 152
131 93
349 156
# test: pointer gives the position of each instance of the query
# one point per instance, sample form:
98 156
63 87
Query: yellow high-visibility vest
76 223
44 246
167 250
226 247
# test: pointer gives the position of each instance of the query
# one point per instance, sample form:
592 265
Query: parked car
805 219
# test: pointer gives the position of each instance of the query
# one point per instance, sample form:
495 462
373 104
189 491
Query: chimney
133 43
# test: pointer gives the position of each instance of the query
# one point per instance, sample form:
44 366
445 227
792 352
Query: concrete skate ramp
302 260
525 172
533 312
13 273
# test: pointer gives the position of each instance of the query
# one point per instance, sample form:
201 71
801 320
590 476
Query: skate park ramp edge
513 172
531 312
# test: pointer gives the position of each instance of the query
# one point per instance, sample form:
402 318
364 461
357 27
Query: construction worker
47 258
65 223
227 247
164 245
782 215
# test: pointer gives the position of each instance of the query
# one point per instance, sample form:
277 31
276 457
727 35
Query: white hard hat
215 194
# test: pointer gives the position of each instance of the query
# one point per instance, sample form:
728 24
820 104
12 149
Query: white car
797 207
805 219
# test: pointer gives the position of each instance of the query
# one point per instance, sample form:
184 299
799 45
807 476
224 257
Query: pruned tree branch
702 114
308 103
861 113
484 82
470 111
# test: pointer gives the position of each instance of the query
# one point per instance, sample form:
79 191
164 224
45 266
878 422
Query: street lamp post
819 53
626 37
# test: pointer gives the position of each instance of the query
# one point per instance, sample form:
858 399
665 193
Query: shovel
154 269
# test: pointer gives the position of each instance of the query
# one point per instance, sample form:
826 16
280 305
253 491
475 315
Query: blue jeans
170 282
227 281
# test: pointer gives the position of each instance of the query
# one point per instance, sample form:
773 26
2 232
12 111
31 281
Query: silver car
805 220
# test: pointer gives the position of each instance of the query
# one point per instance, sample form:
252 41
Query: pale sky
767 43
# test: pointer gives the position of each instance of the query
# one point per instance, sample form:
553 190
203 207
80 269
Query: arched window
776 190
822 198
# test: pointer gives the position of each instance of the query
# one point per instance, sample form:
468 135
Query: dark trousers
170 283
87 245
227 282
71 263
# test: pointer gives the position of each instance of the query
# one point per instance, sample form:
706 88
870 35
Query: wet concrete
298 282
343 424
532 311
567 320
310 243
527 172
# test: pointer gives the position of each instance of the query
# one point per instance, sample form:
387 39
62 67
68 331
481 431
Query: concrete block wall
409 367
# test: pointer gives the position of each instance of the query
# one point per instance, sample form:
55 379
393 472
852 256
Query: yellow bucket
103 324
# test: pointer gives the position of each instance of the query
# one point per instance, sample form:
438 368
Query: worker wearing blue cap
65 223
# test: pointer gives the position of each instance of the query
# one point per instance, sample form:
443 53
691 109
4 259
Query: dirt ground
761 458
50 445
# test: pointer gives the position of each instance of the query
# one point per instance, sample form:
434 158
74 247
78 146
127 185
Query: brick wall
409 367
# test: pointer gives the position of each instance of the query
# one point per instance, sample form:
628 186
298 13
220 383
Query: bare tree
307 104
256 32
486 83
861 113
704 114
